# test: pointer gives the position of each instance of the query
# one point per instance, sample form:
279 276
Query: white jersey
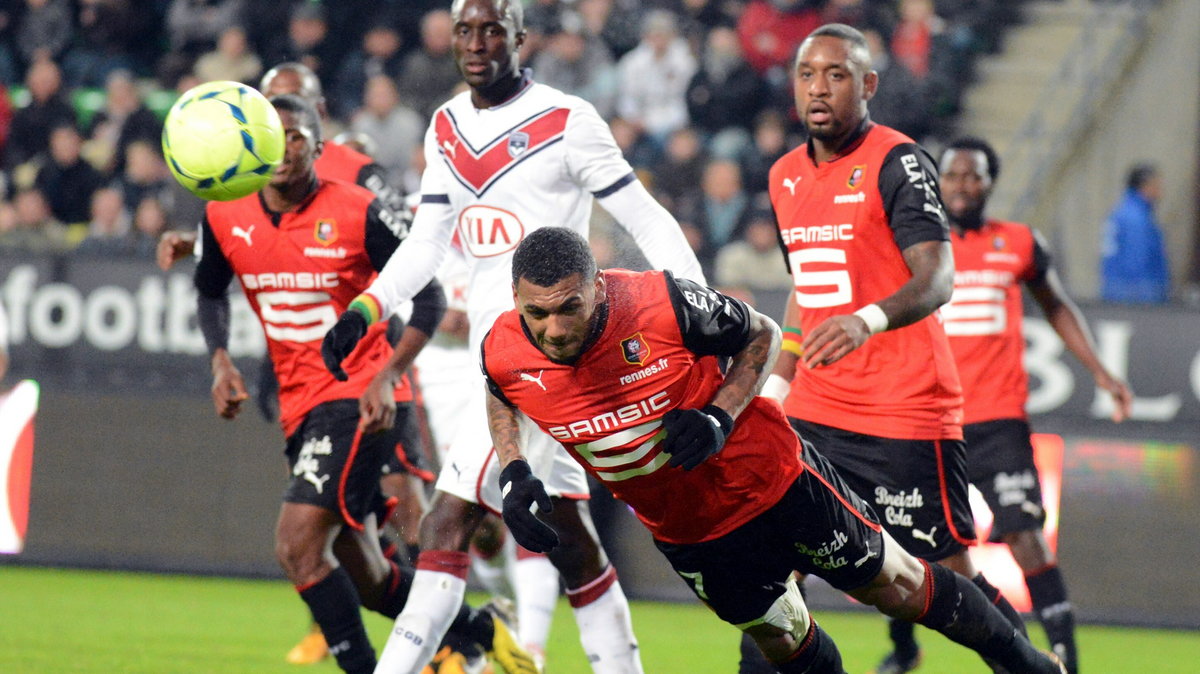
496 174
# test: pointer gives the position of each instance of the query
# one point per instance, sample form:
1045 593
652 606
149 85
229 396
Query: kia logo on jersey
488 231
856 176
325 231
635 350
518 142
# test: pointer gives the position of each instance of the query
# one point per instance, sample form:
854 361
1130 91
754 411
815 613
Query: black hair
551 254
974 144
307 112
860 51
1140 174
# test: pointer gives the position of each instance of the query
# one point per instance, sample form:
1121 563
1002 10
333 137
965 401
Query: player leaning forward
506 158
325 538
734 498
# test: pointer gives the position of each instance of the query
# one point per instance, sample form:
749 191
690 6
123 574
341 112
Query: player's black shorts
819 527
918 487
407 456
319 452
1000 465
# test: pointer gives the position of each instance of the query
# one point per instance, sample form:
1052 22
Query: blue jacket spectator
1134 264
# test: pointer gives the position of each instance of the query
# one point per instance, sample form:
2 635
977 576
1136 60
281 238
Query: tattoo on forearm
745 371
502 421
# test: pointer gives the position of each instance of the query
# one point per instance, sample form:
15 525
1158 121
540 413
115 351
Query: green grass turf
59 621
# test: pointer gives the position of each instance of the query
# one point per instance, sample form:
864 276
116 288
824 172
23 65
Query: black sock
753 661
904 639
1049 594
960 611
471 632
818 654
413 551
993 594
334 605
395 591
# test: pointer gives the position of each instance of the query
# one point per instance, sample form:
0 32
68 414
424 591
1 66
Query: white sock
433 602
537 595
605 627
495 573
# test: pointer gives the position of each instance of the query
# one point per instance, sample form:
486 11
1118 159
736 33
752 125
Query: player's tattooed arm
750 367
506 434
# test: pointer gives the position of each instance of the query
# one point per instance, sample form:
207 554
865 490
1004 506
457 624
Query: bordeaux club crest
635 349
518 142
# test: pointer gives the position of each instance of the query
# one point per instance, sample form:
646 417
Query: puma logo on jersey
451 148
525 376
244 233
791 184
927 537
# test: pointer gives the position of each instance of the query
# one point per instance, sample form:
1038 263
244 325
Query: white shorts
471 470
444 374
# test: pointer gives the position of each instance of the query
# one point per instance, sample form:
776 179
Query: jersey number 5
975 310
837 279
285 324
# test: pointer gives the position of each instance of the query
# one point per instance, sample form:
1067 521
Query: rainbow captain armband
368 306
791 341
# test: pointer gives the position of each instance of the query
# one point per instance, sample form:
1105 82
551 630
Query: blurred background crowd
697 93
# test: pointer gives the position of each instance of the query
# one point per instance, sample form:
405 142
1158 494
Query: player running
629 377
503 159
302 249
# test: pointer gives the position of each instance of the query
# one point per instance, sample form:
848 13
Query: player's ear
320 147
601 289
870 84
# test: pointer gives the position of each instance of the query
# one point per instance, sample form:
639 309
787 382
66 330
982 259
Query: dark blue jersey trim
625 180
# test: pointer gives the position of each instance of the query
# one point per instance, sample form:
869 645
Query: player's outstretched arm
932 266
172 247
519 488
1064 316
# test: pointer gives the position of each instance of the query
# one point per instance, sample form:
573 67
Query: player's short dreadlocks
551 254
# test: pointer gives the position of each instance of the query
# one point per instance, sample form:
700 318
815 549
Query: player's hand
833 340
377 406
340 341
695 435
521 490
1122 396
228 389
173 247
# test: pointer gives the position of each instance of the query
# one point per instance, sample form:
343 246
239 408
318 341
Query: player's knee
781 630
449 524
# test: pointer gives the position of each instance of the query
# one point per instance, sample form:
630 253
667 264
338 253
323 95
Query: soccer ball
222 140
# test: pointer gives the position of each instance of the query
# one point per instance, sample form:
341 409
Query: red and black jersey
656 348
300 270
984 316
843 225
338 162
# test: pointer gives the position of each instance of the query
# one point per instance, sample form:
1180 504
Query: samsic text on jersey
844 224
657 350
300 270
984 316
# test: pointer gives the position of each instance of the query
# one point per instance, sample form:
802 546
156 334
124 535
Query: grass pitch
61 621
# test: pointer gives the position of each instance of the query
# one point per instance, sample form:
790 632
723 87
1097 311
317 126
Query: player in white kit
506 157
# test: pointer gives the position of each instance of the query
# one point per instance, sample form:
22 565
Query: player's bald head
550 254
510 12
292 78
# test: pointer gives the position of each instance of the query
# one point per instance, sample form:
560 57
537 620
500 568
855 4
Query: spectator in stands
770 30
6 117
429 74
912 39
124 119
48 107
725 92
104 41
145 175
195 25
752 261
1133 268
640 151
698 17
231 60
108 229
543 20
579 63
721 207
65 178
681 167
770 142
900 101
653 78
149 222
44 30
308 41
379 55
614 21
396 128
33 228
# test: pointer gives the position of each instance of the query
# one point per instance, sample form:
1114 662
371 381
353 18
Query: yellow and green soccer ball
222 140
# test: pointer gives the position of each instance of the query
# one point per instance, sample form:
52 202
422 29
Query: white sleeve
3 331
418 257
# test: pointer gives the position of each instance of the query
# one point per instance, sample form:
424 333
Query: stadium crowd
694 90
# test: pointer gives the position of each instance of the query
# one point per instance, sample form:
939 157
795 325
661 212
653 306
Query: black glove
695 435
341 340
520 490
